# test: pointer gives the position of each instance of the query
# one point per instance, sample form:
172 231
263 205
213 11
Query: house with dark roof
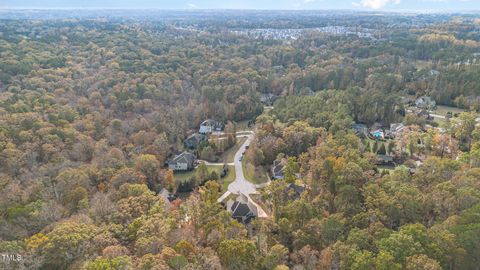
268 99
360 129
277 168
384 160
182 162
194 140
294 191
209 126
242 209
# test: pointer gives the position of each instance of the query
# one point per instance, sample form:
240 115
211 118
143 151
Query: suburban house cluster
420 106
187 160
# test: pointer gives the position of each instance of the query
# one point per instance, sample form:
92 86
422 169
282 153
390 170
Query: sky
387 5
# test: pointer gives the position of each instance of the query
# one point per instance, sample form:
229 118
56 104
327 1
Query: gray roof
360 128
297 190
242 211
184 157
385 158
195 138
211 123
277 168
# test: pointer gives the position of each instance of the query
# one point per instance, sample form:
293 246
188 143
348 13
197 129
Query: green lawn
440 121
229 178
185 176
229 155
442 110
256 175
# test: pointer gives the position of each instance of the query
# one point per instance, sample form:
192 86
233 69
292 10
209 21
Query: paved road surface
437 116
241 185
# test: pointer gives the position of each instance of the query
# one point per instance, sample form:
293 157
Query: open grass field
229 178
229 155
442 110
185 176
255 175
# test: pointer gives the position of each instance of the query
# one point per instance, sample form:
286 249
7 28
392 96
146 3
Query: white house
209 126
426 103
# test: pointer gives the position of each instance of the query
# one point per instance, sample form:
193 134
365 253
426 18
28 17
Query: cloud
191 5
377 4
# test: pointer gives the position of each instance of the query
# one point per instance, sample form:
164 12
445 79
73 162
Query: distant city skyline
385 5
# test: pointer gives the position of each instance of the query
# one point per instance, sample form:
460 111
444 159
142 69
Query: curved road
241 185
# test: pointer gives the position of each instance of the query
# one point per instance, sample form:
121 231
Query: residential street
241 185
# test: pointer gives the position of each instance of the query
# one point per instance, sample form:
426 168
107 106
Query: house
209 126
425 103
194 140
268 99
182 162
396 128
242 209
360 129
277 168
384 160
294 191
434 72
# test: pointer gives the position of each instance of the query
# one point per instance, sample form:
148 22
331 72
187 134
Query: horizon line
363 10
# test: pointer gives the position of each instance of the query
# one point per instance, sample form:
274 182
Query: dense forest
92 108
